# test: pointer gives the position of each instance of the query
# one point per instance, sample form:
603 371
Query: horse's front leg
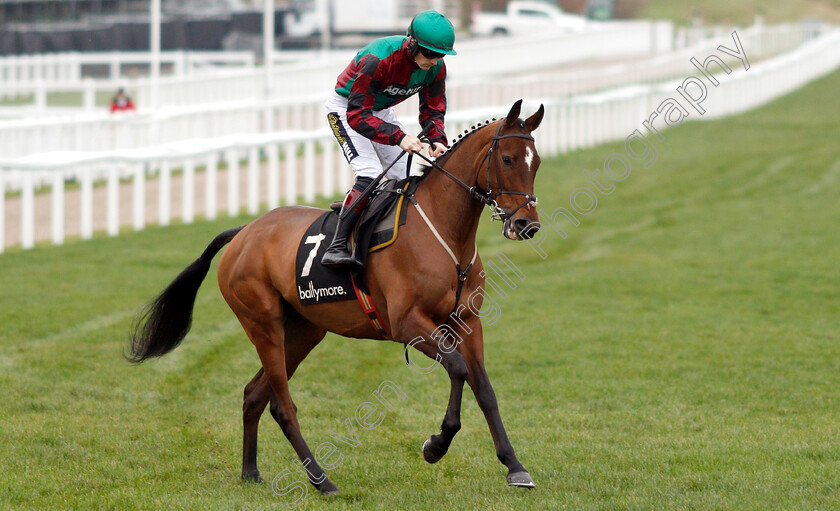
437 445
473 350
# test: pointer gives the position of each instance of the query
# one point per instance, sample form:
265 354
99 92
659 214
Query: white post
232 182
328 188
27 205
87 203
322 8
211 194
575 126
74 68
188 204
268 61
113 199
139 197
165 193
89 95
40 95
290 153
253 180
557 129
58 207
273 176
114 68
309 170
154 43
179 59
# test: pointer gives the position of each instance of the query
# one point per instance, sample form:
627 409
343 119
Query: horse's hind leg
301 337
272 356
257 395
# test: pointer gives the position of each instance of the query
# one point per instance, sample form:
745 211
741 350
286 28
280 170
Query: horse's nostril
526 229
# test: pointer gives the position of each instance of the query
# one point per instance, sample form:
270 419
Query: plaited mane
457 141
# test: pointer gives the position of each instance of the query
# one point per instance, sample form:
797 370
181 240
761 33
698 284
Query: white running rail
311 167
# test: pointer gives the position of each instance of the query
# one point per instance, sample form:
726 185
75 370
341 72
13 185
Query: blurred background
214 85
32 26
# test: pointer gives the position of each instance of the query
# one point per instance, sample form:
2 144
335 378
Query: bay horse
413 283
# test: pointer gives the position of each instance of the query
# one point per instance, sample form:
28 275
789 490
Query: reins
486 197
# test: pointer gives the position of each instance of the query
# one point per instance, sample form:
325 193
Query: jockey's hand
436 149
411 144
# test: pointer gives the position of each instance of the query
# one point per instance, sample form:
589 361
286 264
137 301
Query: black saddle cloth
377 229
380 222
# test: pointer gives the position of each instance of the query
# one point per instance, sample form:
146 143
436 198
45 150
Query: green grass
678 351
740 12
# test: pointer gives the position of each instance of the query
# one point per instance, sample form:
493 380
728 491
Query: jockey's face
426 59
424 63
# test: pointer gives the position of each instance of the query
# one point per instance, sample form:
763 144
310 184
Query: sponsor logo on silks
314 293
341 136
394 90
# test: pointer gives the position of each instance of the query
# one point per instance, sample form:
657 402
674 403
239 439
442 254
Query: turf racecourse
679 350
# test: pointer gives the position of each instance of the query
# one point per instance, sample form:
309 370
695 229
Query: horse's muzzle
520 229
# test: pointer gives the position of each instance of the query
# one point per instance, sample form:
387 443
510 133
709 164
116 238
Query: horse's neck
451 208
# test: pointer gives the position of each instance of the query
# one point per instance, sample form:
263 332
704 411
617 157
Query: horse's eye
506 160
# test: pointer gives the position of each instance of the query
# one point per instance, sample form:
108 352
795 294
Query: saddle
377 229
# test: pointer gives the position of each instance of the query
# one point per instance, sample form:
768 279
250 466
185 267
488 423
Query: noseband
488 196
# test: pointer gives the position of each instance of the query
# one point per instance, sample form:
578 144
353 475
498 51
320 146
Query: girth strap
370 309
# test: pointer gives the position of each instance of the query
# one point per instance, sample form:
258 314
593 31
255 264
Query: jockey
383 74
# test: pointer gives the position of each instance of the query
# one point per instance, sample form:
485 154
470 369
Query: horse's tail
165 322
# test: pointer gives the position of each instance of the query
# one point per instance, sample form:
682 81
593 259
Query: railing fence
165 184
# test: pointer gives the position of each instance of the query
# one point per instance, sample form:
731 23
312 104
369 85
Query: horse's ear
513 115
534 121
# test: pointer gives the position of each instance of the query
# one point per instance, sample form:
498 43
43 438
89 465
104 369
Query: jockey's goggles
429 54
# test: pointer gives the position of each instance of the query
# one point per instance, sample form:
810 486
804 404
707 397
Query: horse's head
508 170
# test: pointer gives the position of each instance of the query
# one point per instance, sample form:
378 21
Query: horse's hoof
252 477
327 488
428 455
521 479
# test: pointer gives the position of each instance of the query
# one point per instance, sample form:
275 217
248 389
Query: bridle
488 196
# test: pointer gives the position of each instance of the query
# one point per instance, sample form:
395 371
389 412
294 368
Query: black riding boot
338 254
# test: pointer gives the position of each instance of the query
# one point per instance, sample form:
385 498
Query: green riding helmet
433 31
